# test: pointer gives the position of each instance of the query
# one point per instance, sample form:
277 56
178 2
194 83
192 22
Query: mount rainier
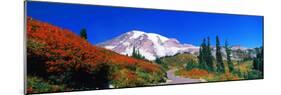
150 45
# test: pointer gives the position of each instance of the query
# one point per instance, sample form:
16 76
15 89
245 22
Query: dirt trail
173 79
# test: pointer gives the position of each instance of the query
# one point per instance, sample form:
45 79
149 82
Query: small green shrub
38 85
254 74
191 65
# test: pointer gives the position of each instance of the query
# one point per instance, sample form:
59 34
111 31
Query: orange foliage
198 72
125 78
129 75
229 76
63 49
194 73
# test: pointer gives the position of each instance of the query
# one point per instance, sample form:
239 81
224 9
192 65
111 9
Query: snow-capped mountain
150 45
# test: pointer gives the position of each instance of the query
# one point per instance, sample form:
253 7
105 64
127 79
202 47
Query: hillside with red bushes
64 58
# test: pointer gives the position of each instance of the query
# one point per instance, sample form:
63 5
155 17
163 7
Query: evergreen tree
202 55
228 57
83 33
220 65
134 54
209 57
158 60
138 54
258 60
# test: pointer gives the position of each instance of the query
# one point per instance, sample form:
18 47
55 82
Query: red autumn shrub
125 78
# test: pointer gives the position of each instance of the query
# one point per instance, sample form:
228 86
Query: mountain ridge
151 45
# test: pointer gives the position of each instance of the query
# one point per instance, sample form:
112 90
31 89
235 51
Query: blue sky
104 23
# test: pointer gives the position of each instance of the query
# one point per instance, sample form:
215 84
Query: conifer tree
258 60
83 33
134 52
138 54
228 57
209 57
202 55
220 65
158 60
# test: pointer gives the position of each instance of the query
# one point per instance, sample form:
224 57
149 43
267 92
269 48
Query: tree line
136 54
214 64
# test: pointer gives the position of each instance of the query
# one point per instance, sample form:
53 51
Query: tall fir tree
209 57
83 33
258 60
138 53
220 65
134 54
202 55
201 59
228 57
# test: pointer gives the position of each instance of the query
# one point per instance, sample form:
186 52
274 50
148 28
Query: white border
11 51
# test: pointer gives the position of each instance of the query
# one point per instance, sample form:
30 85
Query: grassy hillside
64 61
177 61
